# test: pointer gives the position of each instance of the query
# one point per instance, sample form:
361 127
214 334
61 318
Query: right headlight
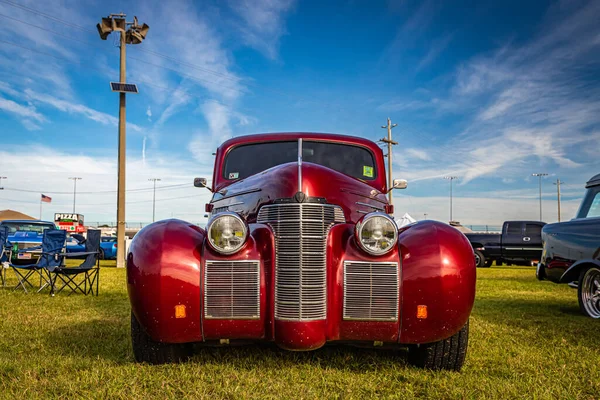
227 232
376 233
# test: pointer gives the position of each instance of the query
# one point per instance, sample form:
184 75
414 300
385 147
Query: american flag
46 199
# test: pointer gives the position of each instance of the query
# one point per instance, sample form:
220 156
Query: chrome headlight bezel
360 225
210 240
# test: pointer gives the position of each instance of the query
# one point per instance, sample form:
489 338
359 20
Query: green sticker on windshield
367 171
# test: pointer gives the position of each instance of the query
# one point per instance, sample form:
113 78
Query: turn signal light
421 312
180 311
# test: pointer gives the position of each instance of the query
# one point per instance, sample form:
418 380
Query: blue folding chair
53 246
89 269
4 253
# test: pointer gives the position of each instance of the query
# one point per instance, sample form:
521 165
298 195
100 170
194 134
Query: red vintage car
300 250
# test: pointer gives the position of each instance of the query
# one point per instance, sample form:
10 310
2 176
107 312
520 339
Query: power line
43 14
98 192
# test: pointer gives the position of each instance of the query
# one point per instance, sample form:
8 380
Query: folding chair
90 268
4 254
53 244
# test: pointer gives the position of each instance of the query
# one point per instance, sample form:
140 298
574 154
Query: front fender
163 271
572 273
438 271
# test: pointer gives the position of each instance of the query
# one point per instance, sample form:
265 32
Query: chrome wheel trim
590 292
477 260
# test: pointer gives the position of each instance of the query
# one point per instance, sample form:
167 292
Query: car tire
447 354
488 263
101 254
499 262
588 292
149 351
479 259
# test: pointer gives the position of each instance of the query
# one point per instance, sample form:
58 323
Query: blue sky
487 91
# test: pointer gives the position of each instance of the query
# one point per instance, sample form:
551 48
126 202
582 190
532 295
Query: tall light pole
75 179
451 178
131 33
154 196
540 175
558 183
390 143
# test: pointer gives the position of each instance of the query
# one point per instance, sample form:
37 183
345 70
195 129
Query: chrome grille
371 291
300 265
232 290
27 245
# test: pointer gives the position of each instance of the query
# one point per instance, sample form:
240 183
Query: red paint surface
166 264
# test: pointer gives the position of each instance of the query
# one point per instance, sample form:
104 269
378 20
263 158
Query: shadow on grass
338 357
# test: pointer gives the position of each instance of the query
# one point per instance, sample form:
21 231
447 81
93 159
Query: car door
532 241
512 239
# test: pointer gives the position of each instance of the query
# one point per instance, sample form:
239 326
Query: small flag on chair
46 199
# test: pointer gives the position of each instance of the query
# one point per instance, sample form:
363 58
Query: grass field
528 340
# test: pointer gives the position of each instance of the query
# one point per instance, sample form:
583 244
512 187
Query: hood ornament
299 197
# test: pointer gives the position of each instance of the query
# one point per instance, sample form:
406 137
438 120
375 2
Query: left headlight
227 232
376 233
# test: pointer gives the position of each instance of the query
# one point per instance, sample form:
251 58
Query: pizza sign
76 218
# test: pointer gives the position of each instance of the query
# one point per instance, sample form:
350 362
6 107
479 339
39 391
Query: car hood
282 182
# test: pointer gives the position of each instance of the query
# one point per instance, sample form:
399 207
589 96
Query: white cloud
418 154
20 110
263 23
80 109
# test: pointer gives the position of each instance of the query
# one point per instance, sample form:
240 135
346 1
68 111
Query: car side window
533 230
594 210
513 228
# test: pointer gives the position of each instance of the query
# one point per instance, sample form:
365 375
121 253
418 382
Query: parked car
300 250
520 242
24 234
108 246
572 251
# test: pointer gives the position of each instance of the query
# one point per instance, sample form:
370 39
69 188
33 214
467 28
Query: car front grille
371 291
232 290
301 231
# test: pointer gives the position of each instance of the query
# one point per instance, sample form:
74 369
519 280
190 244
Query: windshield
14 227
250 159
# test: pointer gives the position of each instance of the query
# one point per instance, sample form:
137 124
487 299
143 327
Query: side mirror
201 183
400 184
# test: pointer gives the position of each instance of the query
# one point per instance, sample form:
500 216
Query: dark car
572 251
520 242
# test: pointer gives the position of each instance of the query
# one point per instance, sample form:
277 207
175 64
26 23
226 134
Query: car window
590 206
247 160
533 230
14 227
513 228
594 210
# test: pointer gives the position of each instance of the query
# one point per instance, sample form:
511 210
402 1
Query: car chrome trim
300 165
371 291
232 289
360 203
301 231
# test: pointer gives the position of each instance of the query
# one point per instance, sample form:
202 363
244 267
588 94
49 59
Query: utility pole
451 178
75 179
540 175
131 33
154 196
558 183
390 143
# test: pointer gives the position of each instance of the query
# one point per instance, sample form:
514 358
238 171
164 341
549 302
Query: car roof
283 136
593 182
26 221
